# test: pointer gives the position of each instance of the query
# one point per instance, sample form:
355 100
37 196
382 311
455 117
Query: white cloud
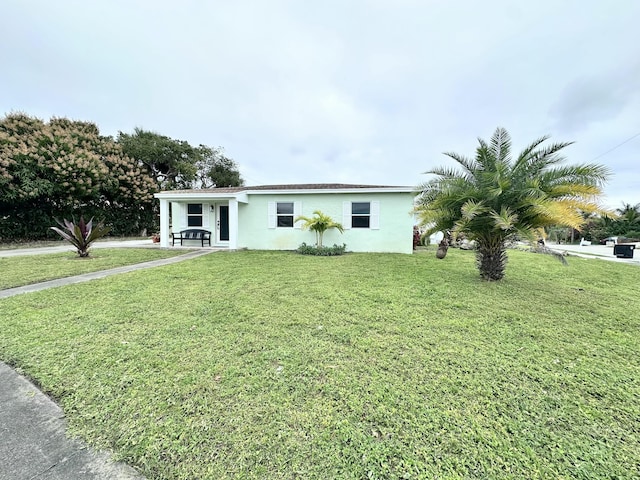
361 91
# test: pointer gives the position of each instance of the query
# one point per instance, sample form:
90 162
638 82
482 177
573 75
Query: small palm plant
81 235
319 224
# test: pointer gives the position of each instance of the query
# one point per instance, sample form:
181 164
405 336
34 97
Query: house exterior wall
179 215
393 235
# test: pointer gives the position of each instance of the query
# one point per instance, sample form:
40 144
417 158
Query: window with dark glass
284 214
194 214
360 214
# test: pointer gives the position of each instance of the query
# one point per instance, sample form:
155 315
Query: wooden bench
192 234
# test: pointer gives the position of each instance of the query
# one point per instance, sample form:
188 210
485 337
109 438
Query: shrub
81 235
632 236
305 249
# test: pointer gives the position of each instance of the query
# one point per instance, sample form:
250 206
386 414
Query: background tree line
625 224
65 168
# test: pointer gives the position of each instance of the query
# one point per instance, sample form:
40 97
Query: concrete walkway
101 274
33 445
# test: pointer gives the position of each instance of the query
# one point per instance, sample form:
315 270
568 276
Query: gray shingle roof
293 186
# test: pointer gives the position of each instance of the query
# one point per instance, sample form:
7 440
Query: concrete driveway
601 252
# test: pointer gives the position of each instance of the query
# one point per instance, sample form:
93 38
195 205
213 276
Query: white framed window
361 215
194 214
283 214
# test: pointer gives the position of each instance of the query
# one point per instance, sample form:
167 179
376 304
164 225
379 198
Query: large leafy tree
175 164
171 163
64 168
215 169
494 197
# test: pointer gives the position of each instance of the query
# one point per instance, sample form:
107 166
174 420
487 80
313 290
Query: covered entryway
216 212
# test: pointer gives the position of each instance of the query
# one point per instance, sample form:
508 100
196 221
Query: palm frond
471 209
504 220
446 172
484 158
585 174
525 155
501 146
468 164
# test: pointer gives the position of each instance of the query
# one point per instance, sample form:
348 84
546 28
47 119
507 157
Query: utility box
623 251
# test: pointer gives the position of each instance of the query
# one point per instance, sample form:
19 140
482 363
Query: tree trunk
491 258
443 247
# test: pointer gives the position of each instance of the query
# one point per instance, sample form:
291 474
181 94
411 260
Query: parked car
609 239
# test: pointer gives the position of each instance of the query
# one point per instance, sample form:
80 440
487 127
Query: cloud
596 98
361 91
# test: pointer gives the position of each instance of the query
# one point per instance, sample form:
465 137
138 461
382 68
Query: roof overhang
242 195
202 196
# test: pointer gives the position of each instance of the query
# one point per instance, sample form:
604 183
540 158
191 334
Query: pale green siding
394 233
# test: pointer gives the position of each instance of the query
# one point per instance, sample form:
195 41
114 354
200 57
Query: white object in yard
584 242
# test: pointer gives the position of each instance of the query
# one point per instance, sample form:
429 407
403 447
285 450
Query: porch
215 213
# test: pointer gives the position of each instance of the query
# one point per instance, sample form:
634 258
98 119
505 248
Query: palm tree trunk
491 258
443 246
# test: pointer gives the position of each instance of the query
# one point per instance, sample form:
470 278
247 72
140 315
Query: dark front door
223 223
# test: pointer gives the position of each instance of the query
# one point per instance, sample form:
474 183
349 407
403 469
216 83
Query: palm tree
494 199
629 216
319 223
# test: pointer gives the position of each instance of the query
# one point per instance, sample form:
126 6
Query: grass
277 365
25 270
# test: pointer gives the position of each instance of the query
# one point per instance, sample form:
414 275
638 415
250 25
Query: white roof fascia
242 196
202 196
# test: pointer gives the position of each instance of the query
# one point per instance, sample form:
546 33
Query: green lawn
24 270
276 365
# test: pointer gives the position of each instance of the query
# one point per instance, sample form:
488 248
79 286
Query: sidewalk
66 247
33 444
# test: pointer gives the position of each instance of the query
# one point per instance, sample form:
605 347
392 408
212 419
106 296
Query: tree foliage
63 168
623 222
171 163
215 169
175 164
493 198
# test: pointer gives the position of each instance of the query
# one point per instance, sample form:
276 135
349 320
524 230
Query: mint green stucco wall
394 234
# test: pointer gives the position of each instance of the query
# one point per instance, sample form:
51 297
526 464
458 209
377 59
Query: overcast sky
350 91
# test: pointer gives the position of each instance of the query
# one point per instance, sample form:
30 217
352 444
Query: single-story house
375 218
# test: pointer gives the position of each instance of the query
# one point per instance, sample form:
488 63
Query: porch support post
233 224
164 223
